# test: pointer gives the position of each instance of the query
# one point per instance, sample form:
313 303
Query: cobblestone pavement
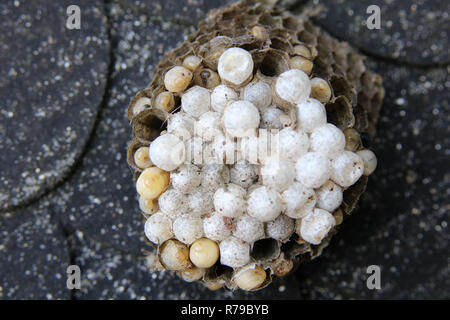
66 193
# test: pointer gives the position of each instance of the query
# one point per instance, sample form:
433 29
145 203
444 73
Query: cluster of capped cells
244 159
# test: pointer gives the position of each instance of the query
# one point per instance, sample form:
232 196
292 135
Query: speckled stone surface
415 32
33 255
177 12
52 81
111 274
92 219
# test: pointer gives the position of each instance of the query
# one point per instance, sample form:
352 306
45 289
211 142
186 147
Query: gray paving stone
411 31
110 274
181 11
33 255
51 85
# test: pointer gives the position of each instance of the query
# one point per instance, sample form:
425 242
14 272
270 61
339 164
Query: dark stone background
66 193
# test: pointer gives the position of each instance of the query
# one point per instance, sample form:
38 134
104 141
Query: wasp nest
249 147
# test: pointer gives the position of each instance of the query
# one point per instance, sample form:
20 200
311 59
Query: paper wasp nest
248 145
